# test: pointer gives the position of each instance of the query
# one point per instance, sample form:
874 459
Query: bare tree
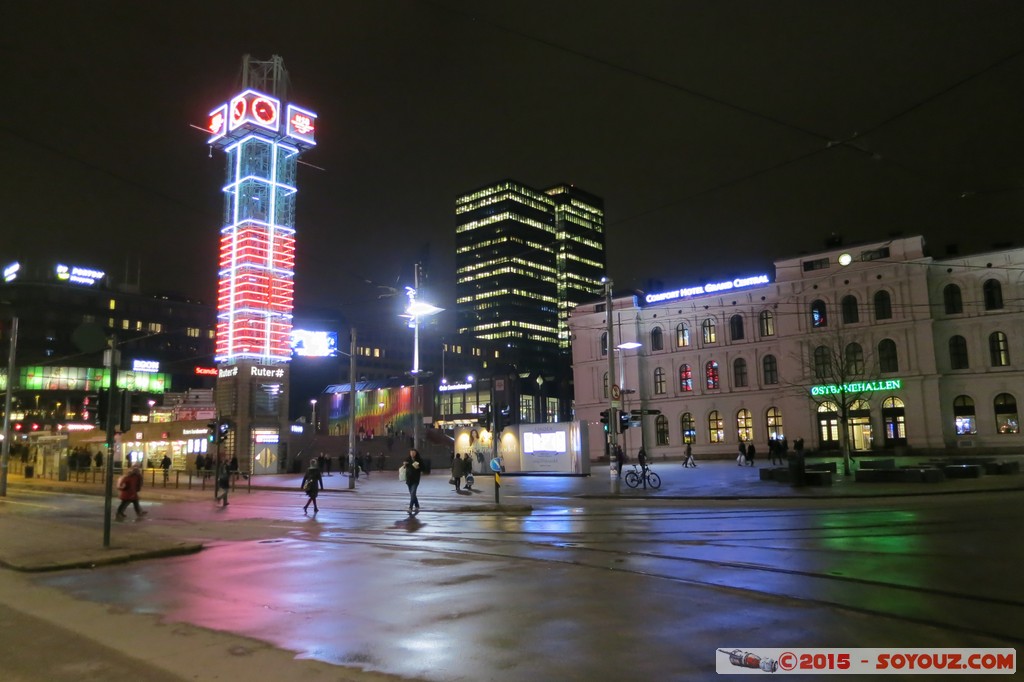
839 372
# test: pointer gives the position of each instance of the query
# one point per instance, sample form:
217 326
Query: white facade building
931 350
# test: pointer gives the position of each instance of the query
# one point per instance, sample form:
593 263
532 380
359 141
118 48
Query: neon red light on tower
255 290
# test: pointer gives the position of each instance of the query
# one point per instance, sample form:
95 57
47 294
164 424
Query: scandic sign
858 387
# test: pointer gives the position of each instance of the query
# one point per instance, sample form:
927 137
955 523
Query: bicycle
637 476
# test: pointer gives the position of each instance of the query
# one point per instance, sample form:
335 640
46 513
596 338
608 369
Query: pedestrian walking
200 463
128 487
312 484
688 457
223 485
413 469
750 454
620 459
457 472
741 458
99 460
467 466
165 464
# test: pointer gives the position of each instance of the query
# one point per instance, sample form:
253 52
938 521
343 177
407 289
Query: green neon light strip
858 387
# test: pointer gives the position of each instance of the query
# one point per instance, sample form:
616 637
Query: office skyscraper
524 259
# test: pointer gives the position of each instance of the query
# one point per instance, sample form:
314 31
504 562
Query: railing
174 478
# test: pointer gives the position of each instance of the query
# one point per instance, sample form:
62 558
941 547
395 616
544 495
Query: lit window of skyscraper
524 259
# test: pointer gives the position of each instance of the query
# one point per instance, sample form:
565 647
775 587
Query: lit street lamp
312 413
415 311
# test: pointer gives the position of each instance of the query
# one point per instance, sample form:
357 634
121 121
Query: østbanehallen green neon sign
858 387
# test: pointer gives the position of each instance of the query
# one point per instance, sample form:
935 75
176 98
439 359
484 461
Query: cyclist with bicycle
641 458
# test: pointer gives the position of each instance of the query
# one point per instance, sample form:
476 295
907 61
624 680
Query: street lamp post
5 453
312 414
613 399
415 311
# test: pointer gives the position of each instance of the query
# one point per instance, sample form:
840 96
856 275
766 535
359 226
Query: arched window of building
819 314
822 363
682 335
745 425
689 428
773 420
952 300
999 349
685 378
851 313
993 292
661 429
657 339
771 370
766 320
736 327
659 381
894 422
606 385
711 374
604 343
958 353
883 305
716 431
1006 414
739 372
708 328
828 425
964 419
854 359
888 360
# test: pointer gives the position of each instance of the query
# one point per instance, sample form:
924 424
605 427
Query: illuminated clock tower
262 135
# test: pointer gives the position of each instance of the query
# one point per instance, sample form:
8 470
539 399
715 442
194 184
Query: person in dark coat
128 488
750 454
200 464
413 469
312 484
457 471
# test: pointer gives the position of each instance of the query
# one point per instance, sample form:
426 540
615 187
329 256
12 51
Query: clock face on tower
256 108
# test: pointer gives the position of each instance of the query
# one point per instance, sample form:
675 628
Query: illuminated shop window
964 420
689 428
773 420
716 429
659 381
1006 414
661 429
819 316
711 374
708 329
999 349
745 425
685 378
682 335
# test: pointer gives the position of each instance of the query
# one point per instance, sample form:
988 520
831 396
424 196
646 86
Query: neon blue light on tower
257 247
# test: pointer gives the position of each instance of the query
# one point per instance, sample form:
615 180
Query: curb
124 558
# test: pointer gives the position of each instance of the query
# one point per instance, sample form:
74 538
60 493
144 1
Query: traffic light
604 419
223 430
501 418
211 431
623 421
484 418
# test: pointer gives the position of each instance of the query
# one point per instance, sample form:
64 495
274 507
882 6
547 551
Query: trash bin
797 471
30 471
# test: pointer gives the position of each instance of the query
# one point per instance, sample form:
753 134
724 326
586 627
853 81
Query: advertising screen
314 344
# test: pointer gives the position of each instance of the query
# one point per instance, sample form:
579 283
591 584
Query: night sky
721 135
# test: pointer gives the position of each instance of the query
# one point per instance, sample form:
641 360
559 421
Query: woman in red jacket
128 488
